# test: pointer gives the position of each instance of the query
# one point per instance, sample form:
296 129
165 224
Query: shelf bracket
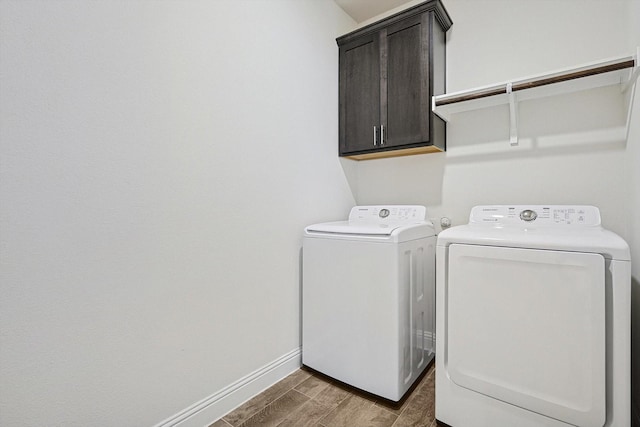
513 115
635 72
631 84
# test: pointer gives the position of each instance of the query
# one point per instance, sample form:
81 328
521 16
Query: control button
528 215
384 213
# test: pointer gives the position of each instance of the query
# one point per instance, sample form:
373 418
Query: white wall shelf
621 71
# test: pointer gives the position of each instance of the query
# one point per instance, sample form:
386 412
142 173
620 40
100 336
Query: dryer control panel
539 215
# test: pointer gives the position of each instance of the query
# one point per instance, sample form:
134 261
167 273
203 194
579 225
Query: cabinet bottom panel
395 153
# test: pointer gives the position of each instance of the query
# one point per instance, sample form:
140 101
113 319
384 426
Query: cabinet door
360 94
405 86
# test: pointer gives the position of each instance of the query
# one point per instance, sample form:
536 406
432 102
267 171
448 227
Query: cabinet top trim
436 6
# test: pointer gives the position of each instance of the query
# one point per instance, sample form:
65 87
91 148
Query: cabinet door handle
375 136
381 135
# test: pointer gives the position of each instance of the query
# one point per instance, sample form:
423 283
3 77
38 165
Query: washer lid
554 227
394 222
348 227
389 233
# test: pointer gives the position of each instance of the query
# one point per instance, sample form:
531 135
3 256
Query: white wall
633 237
572 148
137 139
159 160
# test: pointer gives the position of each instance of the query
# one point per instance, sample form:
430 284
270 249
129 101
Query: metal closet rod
630 63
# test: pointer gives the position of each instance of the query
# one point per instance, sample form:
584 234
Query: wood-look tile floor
305 398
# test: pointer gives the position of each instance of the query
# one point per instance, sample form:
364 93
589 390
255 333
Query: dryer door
528 327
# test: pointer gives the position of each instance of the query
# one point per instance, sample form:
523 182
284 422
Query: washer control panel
540 215
383 214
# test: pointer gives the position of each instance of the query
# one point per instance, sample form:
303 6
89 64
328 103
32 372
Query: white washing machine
533 320
368 298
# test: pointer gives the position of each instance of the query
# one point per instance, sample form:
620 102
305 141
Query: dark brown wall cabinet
388 72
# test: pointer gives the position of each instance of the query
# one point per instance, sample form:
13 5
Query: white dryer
368 298
533 320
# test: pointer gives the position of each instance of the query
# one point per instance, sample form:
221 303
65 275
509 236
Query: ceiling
361 10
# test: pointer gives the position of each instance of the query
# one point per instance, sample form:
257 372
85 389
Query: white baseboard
212 408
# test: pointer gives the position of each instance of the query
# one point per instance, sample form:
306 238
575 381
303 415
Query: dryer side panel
527 327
